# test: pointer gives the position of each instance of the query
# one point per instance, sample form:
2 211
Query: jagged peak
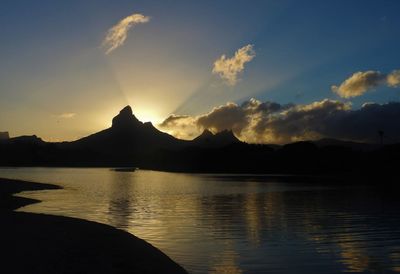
221 138
227 133
127 110
125 118
207 133
149 125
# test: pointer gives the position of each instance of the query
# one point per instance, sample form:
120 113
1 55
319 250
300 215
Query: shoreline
40 243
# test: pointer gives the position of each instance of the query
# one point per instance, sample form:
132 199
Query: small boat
125 169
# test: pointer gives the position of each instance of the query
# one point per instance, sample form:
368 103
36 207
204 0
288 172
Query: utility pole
381 134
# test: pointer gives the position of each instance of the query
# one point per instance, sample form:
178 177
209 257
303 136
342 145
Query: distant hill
327 142
220 139
4 135
26 139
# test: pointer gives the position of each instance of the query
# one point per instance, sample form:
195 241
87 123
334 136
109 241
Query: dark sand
38 243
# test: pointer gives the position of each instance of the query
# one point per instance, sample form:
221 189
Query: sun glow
148 115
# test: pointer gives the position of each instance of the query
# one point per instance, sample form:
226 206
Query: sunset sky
272 71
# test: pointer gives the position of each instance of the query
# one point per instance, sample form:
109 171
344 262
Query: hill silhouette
220 139
129 142
4 135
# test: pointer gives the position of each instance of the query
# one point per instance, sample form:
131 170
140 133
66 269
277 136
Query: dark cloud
229 116
298 122
255 106
363 124
269 122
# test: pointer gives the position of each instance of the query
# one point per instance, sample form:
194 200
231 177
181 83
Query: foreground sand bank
38 243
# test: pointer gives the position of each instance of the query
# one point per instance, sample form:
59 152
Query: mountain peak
222 138
127 110
227 136
226 132
206 133
125 118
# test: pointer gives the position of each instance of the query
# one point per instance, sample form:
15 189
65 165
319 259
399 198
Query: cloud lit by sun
117 35
229 68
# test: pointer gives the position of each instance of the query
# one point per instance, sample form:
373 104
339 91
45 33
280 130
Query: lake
225 223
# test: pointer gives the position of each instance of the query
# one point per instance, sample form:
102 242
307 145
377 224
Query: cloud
117 35
180 126
67 115
229 68
229 116
393 79
360 82
299 122
269 122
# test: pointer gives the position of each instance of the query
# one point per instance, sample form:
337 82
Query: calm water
233 224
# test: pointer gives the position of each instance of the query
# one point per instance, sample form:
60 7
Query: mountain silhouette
125 119
329 142
132 143
220 139
128 139
26 139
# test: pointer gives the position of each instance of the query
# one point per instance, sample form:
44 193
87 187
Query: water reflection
395 258
227 261
119 205
228 224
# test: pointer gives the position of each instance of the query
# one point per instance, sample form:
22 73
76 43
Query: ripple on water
232 224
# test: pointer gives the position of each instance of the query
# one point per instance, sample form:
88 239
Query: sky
272 71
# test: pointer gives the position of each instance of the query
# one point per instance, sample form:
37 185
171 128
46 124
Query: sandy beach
39 243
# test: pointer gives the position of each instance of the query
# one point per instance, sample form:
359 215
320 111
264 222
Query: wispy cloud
229 68
117 35
67 115
362 81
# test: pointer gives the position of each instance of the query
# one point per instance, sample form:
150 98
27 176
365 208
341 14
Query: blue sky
53 63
